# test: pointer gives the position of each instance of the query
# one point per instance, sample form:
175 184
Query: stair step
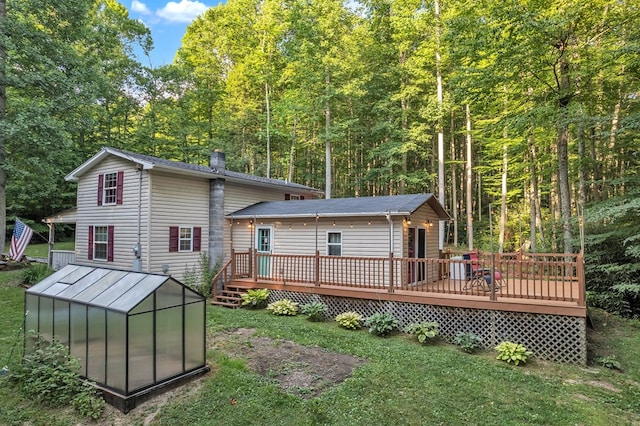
227 304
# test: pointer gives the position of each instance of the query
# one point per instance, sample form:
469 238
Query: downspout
137 249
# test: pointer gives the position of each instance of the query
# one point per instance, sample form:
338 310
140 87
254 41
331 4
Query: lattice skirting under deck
554 338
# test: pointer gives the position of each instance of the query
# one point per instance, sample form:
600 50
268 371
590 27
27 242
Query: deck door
264 245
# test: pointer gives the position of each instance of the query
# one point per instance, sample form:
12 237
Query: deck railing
558 277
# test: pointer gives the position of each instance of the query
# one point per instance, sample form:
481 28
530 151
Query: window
101 243
293 197
184 243
334 243
110 187
185 238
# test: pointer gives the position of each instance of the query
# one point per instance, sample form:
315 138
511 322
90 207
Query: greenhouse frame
133 332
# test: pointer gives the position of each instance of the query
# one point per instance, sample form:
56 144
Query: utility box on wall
133 332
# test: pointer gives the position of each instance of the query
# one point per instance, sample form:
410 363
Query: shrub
35 273
283 307
350 320
468 342
512 352
255 298
315 311
423 331
609 362
50 375
381 324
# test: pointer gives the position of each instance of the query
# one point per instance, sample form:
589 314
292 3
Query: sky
168 21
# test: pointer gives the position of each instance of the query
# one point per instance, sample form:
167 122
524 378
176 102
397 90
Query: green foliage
423 331
315 311
468 342
610 361
283 307
381 324
199 277
255 298
512 352
49 374
35 273
350 320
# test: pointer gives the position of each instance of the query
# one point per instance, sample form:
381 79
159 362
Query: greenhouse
132 332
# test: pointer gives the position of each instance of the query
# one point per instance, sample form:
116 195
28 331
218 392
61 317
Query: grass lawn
401 382
42 250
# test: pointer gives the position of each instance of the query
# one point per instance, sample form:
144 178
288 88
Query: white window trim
180 239
114 188
295 197
333 244
105 243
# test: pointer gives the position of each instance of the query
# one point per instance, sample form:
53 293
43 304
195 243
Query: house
154 215
376 227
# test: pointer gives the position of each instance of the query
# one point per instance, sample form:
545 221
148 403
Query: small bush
255 298
283 307
609 362
51 375
512 352
381 324
350 320
315 311
468 342
35 273
423 331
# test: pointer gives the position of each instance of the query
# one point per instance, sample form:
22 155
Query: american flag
21 237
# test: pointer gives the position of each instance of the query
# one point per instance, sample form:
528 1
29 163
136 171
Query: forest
522 116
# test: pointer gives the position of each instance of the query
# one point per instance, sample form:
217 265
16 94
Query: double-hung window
101 239
185 238
110 188
334 243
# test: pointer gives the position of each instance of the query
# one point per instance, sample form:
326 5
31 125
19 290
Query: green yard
400 381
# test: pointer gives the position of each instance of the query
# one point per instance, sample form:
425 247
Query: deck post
581 280
254 261
233 263
316 280
391 281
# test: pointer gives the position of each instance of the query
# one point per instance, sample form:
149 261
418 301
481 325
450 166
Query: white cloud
185 11
138 6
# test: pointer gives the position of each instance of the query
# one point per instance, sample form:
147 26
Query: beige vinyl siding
123 217
238 196
177 201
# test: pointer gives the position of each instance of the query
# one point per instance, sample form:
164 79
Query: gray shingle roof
361 206
179 165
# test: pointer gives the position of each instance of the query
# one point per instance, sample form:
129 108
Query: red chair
477 276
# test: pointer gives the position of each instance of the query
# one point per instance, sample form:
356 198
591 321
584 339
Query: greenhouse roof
110 289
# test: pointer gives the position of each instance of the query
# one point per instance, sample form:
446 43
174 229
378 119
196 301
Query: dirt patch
300 370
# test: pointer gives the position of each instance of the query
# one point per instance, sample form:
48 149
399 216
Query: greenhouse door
264 244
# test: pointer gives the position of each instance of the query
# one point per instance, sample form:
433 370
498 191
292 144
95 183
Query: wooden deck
542 283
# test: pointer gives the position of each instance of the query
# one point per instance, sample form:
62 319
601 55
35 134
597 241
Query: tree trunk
503 202
441 181
292 153
268 106
327 142
469 183
563 155
3 110
454 189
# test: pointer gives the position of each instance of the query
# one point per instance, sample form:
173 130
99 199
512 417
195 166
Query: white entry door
264 245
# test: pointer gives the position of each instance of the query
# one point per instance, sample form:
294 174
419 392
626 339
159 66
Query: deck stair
230 297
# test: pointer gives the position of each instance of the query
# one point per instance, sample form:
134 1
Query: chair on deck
477 276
